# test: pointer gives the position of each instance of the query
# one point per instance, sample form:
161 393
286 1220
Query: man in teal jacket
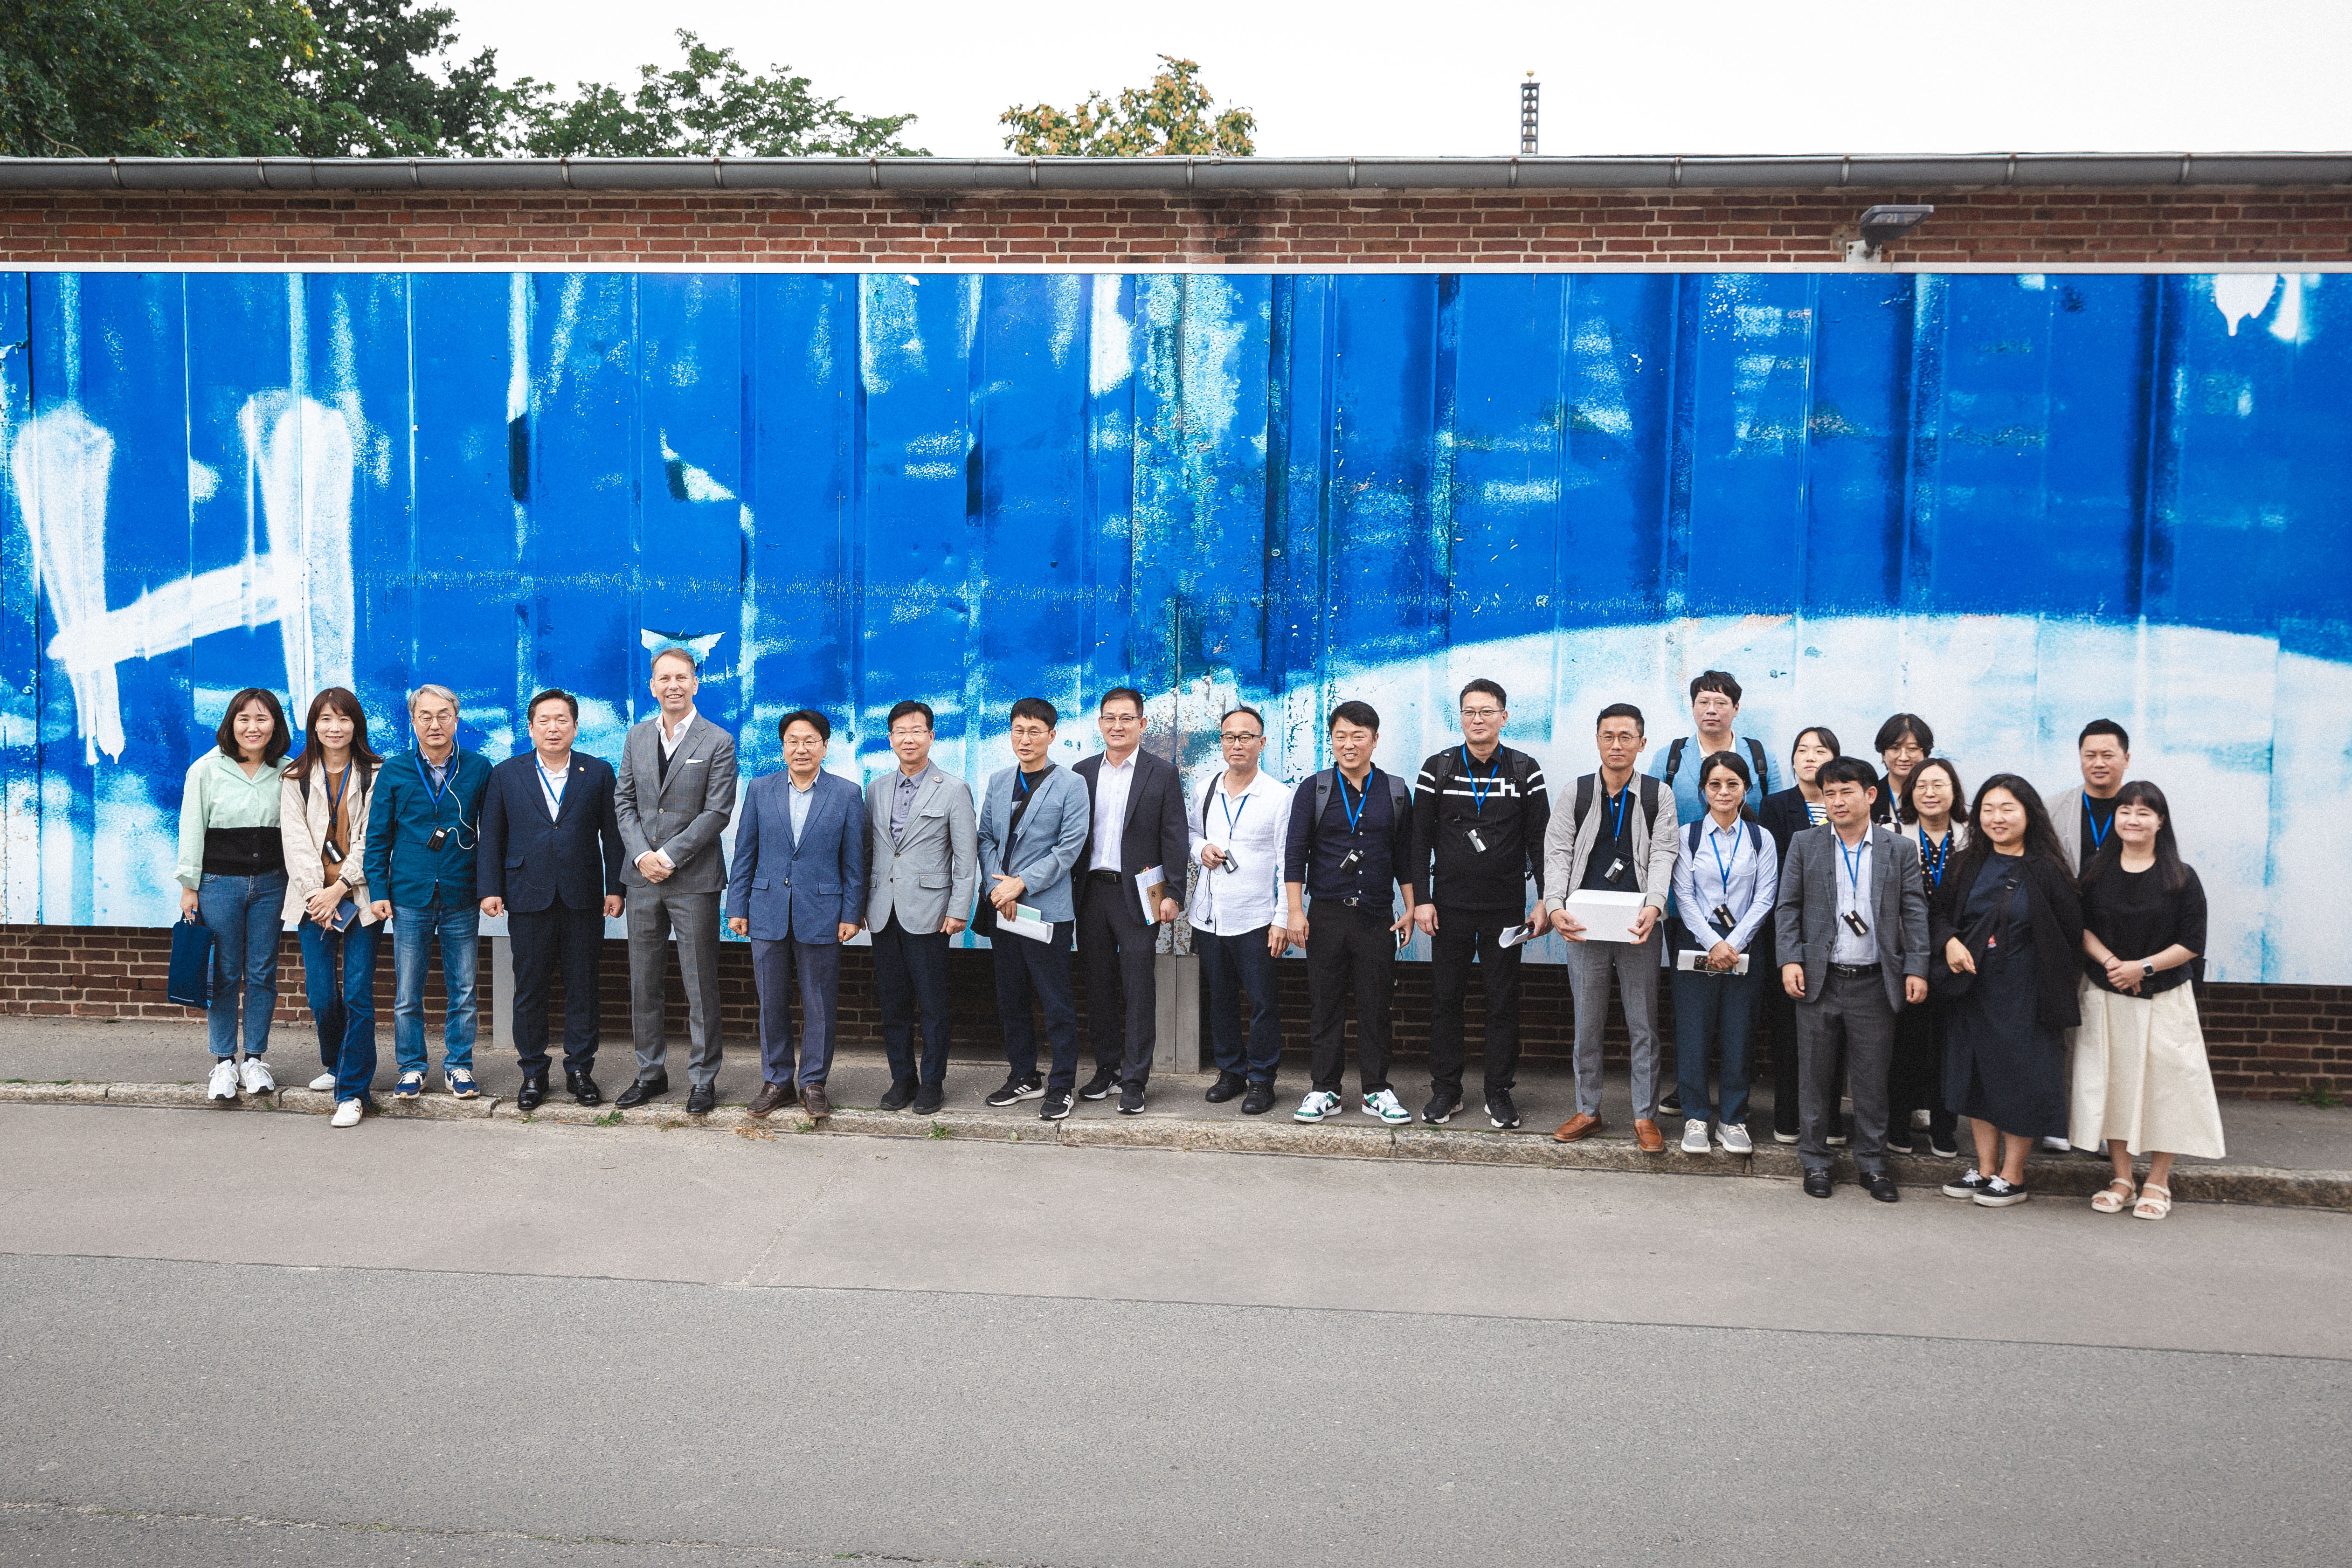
421 839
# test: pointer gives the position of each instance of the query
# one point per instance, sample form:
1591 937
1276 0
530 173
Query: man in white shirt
1237 831
1135 823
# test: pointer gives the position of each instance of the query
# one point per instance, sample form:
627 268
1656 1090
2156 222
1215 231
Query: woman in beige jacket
322 816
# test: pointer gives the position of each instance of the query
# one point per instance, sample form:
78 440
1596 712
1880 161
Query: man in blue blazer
549 861
798 891
1033 827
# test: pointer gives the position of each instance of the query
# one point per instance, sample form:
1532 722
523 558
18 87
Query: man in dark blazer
798 891
1136 808
1851 923
676 791
549 861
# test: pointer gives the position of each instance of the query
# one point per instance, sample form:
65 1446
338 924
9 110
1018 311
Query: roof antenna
1531 95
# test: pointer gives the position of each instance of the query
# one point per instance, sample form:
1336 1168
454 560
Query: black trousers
1916 1080
1116 945
1350 955
910 971
1778 1022
1038 971
543 939
1462 936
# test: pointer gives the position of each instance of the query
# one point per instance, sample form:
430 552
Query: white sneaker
1318 1107
347 1114
1694 1138
256 1077
222 1084
324 1082
1383 1104
1735 1138
2057 1145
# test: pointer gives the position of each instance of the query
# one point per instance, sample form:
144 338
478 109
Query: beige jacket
302 826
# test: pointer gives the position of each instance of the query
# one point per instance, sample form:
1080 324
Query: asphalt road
243 1338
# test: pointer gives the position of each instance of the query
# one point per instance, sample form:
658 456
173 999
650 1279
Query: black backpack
1521 769
1755 762
1400 794
1588 786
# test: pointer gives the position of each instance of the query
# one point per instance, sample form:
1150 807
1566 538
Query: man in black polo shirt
1479 816
1350 837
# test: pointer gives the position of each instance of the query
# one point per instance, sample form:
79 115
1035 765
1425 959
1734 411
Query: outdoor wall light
1880 225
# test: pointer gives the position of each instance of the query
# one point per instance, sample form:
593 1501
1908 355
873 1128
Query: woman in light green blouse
232 877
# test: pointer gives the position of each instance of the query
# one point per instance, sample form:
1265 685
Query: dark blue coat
532 862
804 888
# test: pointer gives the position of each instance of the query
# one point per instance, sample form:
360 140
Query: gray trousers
654 914
1851 1008
1635 965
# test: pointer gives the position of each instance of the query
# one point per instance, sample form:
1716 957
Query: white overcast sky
1631 76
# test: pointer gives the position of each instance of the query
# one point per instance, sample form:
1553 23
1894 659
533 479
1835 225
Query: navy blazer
805 888
532 862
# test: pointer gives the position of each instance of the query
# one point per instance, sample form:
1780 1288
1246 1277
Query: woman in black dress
2008 916
1784 814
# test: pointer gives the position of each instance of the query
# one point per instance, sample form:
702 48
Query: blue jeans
1715 1011
457 931
1241 965
338 979
245 915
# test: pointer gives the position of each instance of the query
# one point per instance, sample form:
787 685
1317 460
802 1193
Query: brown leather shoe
813 1102
769 1097
1646 1135
1580 1125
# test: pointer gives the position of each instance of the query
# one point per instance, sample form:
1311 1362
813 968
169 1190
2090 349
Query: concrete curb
2078 1177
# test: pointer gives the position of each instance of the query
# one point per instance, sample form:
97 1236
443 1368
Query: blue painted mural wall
2010 503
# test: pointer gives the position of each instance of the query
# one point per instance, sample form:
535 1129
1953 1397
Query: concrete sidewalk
2283 1154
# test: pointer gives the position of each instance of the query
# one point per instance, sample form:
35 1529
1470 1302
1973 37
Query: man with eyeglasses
1238 831
1479 816
923 871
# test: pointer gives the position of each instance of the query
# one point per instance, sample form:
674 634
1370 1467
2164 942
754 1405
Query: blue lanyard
1933 856
1479 786
1617 813
446 777
2098 829
335 793
1355 811
549 783
1020 783
1722 870
1853 858
1233 817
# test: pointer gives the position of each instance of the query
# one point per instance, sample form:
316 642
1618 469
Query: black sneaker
1781 1137
1967 1186
1898 1141
1227 1085
1998 1194
1057 1106
1441 1107
1500 1111
1673 1104
902 1095
1130 1099
1099 1086
1943 1148
1018 1088
929 1098
1259 1100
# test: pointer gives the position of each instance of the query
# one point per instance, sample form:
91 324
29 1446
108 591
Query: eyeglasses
1229 736
1482 713
1906 749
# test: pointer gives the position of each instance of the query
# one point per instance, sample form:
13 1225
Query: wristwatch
2146 969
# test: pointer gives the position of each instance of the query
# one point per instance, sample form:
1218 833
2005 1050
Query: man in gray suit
1033 828
923 871
674 795
1851 922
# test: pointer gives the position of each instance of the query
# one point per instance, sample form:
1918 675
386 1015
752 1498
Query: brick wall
2266 1042
1441 229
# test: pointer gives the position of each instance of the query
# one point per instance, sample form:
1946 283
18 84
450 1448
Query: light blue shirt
1689 803
798 800
1725 870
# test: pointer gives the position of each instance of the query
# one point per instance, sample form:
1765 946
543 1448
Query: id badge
1855 924
1476 842
1350 860
1616 869
1723 919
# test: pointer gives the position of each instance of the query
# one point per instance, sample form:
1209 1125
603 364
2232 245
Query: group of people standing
1898 946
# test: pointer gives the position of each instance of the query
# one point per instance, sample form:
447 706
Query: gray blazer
933 870
682 815
2066 818
1805 919
1053 835
1568 844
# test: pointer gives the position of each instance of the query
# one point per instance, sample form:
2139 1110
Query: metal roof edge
1857 172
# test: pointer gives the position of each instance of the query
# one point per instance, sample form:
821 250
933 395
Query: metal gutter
1857 172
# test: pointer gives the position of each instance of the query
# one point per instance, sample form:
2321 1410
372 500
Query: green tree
369 94
709 105
1174 117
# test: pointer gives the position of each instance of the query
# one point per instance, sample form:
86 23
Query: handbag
191 980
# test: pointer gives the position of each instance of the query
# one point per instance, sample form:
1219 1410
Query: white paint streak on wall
2242 295
300 463
61 466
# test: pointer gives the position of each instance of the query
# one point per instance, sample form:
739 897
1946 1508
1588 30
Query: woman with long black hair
2008 925
1933 798
322 812
2141 1082
232 873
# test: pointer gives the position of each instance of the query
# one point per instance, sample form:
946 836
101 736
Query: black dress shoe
702 1099
582 1087
1882 1187
1099 1086
1259 1100
1227 1085
929 1098
1130 1099
643 1089
1817 1184
533 1092
901 1094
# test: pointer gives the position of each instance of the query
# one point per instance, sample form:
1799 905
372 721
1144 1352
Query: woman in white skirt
2141 1085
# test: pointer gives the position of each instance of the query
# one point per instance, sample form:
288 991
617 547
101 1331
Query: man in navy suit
798 891
549 861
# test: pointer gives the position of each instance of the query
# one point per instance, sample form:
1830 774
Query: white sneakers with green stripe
1382 1102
